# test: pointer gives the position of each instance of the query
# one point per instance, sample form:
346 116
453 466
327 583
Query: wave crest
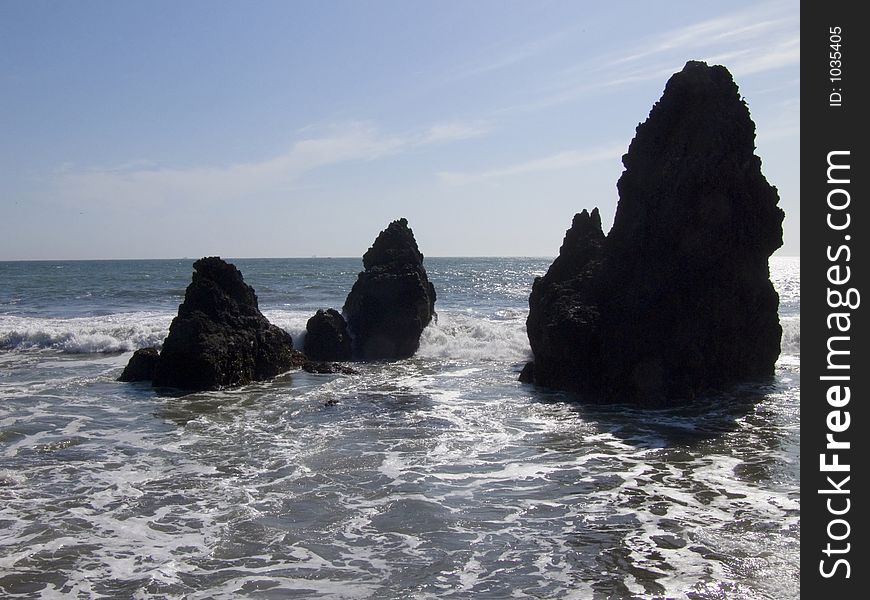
469 336
791 335
108 334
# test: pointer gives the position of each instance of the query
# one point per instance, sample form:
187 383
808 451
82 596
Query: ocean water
440 476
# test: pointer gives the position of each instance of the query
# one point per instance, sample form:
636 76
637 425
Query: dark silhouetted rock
527 374
324 367
326 337
392 300
141 365
677 299
563 322
220 338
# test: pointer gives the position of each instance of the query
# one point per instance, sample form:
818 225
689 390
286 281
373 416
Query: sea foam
456 334
461 335
791 335
84 335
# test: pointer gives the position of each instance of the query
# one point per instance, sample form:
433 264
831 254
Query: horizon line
310 257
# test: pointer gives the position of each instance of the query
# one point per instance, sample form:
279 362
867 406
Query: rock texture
220 338
323 367
327 337
392 300
677 298
141 365
564 316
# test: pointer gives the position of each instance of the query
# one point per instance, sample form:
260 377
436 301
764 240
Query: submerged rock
392 300
220 338
141 365
326 337
323 367
677 298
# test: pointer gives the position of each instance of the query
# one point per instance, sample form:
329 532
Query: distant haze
275 129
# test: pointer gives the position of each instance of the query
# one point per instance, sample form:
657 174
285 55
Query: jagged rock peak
395 244
219 337
219 290
677 298
392 300
691 175
581 245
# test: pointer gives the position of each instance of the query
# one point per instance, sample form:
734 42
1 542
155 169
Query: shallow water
438 476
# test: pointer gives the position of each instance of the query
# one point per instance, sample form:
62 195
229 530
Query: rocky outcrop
677 298
326 337
392 300
564 318
219 337
141 365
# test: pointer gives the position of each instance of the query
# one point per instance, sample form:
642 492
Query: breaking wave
791 335
84 335
459 335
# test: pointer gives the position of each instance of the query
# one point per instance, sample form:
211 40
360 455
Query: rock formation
392 300
141 365
677 298
326 337
220 338
563 322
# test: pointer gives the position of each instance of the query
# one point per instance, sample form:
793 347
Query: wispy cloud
454 131
507 55
779 53
728 29
750 41
145 183
562 160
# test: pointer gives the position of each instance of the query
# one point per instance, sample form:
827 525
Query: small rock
327 337
141 365
323 367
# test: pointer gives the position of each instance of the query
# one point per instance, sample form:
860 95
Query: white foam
466 336
291 321
121 332
791 335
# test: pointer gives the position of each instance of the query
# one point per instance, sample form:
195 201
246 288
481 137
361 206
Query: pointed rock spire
677 298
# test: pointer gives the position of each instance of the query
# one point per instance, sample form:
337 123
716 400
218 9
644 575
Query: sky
164 129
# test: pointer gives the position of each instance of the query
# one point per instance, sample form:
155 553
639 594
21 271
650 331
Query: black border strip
834 228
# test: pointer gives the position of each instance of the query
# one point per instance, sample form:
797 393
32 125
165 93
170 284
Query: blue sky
180 129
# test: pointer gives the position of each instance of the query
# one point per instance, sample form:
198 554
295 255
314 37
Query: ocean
440 476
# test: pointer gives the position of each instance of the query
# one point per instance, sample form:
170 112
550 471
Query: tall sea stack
677 298
220 338
392 300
